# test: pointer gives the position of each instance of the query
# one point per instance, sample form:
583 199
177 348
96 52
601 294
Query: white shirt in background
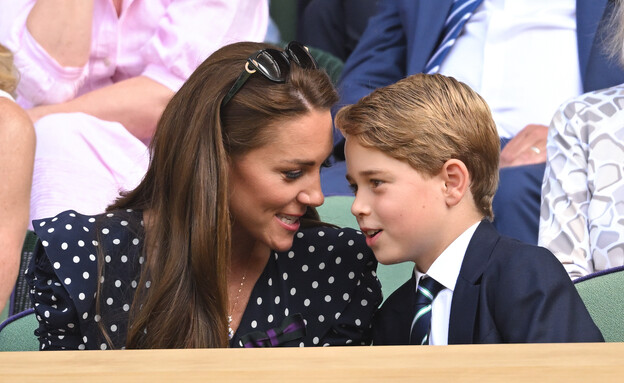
521 56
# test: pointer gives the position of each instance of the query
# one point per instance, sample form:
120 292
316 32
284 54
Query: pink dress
83 162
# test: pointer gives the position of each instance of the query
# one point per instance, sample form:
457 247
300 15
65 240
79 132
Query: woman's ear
456 180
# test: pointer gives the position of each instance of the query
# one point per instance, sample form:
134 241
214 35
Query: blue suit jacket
402 36
507 292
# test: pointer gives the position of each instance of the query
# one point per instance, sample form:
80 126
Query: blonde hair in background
426 120
8 73
614 33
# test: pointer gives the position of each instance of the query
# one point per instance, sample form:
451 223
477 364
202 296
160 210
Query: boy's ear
456 180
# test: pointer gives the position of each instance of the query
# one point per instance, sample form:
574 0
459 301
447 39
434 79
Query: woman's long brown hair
185 190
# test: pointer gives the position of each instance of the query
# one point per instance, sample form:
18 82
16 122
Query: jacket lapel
394 320
465 304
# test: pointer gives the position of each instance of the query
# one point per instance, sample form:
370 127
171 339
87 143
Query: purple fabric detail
272 337
599 273
15 317
11 304
251 344
291 328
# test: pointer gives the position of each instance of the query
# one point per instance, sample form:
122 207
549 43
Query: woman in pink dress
96 76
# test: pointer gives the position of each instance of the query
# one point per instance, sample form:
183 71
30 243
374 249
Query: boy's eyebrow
366 173
371 172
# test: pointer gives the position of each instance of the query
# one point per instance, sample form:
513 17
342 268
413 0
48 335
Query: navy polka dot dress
321 292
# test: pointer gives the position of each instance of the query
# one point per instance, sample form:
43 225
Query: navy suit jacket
507 292
402 36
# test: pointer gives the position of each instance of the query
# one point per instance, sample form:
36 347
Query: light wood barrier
481 363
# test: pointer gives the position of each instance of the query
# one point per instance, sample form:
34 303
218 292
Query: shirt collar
445 269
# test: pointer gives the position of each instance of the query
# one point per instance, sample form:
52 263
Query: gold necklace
240 288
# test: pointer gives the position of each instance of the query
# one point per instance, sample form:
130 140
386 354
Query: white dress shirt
521 56
445 270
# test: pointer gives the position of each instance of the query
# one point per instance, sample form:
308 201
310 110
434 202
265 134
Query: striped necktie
461 10
427 290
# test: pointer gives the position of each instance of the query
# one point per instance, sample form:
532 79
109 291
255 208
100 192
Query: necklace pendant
230 331
229 318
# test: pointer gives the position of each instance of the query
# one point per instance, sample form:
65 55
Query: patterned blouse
582 214
323 291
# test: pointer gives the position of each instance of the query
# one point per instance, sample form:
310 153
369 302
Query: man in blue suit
525 57
422 158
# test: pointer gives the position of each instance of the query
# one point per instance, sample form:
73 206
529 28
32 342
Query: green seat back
19 300
17 333
337 210
284 14
603 294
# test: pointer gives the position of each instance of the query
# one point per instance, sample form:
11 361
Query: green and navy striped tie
427 290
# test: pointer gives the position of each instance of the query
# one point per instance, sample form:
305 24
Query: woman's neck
245 255
247 263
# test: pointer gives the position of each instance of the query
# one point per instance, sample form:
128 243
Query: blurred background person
335 26
96 76
17 152
582 213
525 57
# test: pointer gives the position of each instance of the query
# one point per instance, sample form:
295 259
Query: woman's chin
281 244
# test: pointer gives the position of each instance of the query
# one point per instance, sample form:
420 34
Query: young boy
422 159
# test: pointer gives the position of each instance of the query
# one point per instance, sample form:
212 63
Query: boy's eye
376 183
326 164
293 174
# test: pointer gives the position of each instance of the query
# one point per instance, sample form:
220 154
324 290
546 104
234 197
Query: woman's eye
293 174
353 188
326 164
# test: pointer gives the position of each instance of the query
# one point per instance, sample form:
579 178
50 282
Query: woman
582 220
17 152
220 240
96 76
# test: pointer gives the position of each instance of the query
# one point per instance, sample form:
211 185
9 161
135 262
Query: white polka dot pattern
64 278
327 276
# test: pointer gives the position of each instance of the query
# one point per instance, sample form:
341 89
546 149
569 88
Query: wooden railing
531 363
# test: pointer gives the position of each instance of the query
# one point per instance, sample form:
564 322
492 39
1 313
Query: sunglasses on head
273 64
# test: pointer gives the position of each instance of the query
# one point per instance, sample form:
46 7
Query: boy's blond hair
426 120
8 73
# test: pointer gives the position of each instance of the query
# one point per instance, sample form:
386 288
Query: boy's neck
460 219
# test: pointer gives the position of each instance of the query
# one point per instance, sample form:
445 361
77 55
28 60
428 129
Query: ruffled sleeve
62 277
